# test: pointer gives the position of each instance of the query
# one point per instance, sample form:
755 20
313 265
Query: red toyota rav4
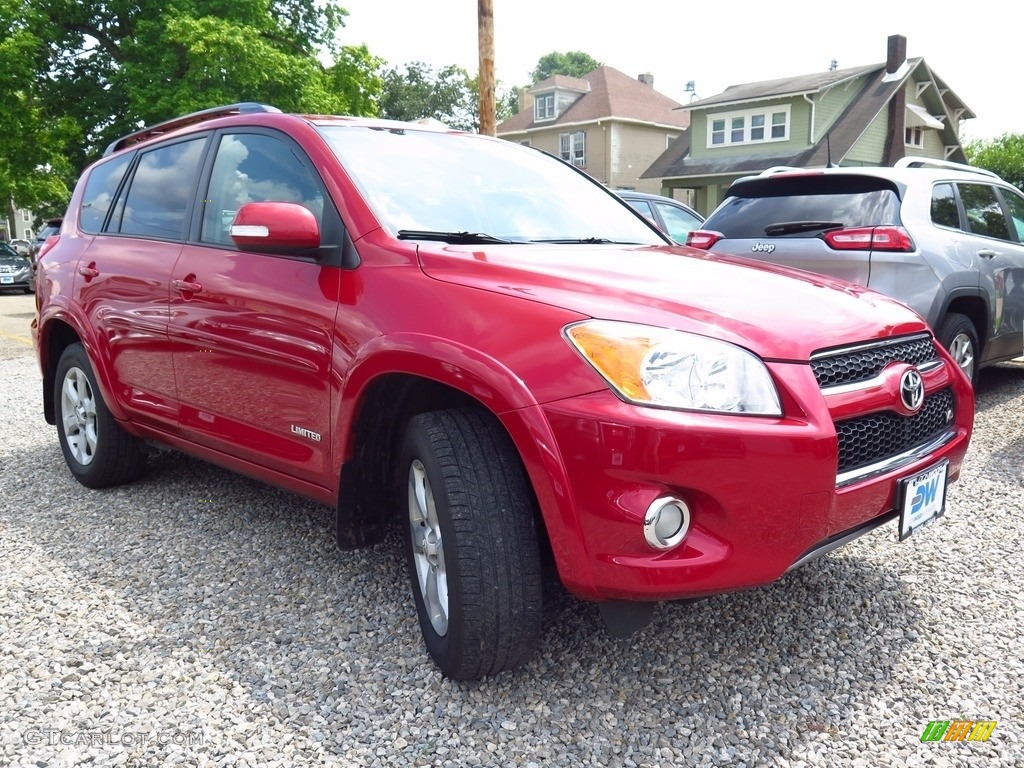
475 339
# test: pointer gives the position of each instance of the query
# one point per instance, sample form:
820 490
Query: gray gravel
200 618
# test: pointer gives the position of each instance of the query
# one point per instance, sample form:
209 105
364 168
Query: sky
974 49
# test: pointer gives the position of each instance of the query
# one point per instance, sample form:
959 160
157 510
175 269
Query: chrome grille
870 439
855 364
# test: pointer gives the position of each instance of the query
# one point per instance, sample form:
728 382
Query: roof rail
152 131
930 162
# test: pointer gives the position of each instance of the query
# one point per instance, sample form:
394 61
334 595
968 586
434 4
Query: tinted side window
99 193
253 168
161 191
944 210
1016 205
984 213
642 207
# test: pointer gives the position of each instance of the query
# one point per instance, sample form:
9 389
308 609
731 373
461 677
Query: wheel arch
381 396
973 304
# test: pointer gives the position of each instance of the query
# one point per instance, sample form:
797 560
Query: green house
869 115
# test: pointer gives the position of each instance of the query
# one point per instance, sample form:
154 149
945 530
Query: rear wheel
472 547
958 336
97 451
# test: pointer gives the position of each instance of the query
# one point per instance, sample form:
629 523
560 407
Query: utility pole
485 24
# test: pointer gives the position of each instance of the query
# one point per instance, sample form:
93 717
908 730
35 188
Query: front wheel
958 336
471 547
97 451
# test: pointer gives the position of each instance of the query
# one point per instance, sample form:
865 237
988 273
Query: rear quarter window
100 191
752 206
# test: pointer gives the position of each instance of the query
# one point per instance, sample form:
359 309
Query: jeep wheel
472 547
958 336
96 449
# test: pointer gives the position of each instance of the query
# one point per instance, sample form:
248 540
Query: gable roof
610 94
834 145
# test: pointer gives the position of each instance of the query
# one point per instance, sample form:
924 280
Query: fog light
666 523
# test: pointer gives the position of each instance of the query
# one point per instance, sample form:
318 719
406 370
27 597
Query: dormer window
544 107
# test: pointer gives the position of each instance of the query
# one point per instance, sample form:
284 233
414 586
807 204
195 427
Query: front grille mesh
870 439
850 367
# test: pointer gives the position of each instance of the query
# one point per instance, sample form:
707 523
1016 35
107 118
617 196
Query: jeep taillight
703 238
869 239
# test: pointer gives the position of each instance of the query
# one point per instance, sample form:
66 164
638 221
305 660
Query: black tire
959 337
481 546
97 451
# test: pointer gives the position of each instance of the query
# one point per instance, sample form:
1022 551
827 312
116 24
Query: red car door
252 333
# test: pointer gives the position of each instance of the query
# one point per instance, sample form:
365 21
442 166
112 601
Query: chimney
646 78
897 53
895 140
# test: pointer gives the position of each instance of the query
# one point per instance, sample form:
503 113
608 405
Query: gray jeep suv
944 238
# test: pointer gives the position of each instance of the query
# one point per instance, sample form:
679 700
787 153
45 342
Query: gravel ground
199 618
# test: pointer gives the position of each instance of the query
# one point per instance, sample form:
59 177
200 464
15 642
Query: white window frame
913 136
544 107
573 148
749 126
25 215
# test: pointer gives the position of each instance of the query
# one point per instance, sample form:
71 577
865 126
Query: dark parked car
468 342
672 217
15 270
50 227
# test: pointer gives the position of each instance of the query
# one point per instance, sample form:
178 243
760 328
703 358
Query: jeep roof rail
930 162
152 131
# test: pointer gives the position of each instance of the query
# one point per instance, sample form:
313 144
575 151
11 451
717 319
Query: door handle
89 272
186 286
987 253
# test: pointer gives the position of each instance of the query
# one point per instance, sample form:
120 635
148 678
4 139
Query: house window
669 138
573 148
718 131
748 127
25 216
544 107
914 137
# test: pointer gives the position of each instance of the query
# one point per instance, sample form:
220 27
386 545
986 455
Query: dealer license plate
923 498
6 280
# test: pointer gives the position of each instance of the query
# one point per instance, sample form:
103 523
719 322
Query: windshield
419 182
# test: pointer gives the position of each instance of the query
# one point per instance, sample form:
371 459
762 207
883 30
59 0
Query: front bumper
763 492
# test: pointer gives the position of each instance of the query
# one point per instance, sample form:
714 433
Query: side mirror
275 228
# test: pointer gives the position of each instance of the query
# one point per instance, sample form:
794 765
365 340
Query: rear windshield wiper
457 238
789 227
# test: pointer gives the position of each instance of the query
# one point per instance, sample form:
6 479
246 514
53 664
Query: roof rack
929 162
152 131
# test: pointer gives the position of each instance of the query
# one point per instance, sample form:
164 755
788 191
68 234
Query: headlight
673 369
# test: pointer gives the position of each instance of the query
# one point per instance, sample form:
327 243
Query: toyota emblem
912 390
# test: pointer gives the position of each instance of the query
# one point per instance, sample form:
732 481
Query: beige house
607 123
868 115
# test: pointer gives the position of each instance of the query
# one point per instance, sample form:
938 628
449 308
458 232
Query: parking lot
201 618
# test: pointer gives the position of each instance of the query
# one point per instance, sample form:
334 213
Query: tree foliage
1003 156
417 91
80 73
573 64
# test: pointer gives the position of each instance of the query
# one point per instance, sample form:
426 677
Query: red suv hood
778 313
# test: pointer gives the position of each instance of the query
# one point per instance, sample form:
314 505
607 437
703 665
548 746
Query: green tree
417 91
573 64
90 71
1003 156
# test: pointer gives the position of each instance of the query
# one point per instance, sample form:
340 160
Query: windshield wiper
789 227
456 238
583 240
